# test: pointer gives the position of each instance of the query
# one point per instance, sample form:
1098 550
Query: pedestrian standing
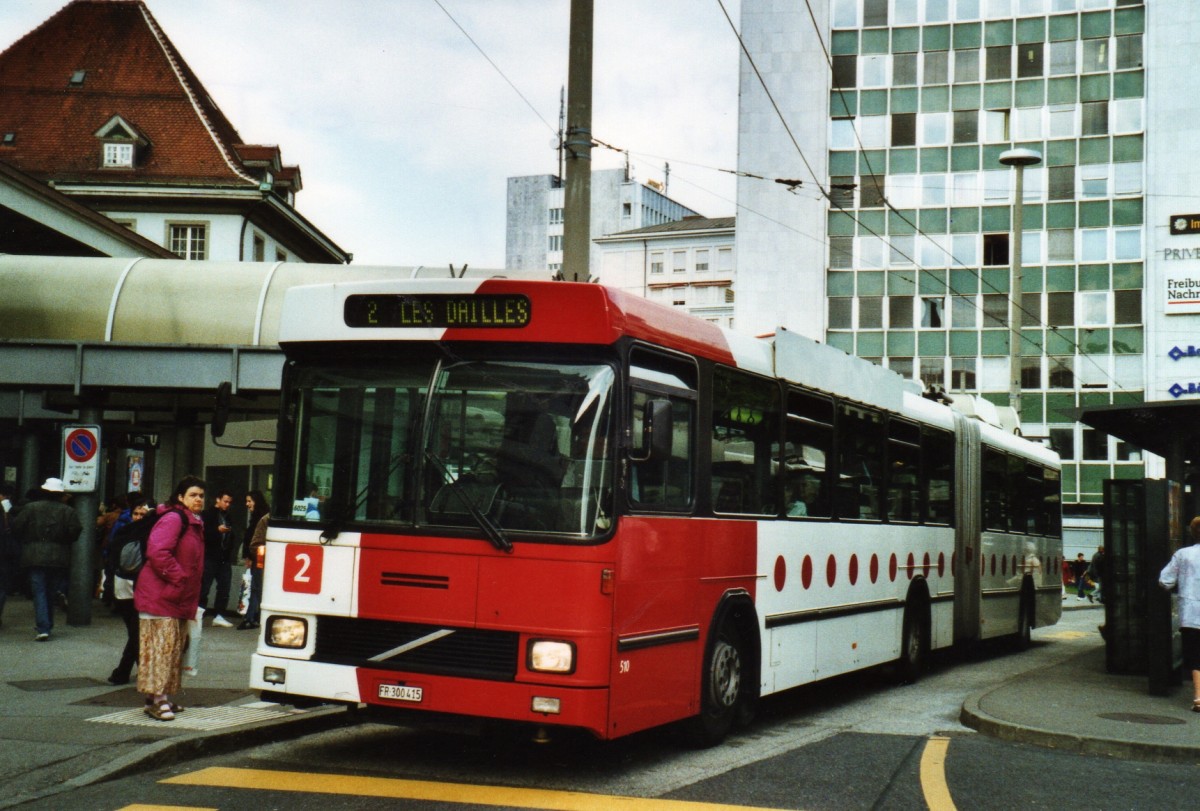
47 529
167 596
253 553
1079 568
219 540
122 588
1096 572
1183 573
10 549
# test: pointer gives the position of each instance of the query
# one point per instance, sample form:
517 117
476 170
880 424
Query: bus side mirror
657 431
221 409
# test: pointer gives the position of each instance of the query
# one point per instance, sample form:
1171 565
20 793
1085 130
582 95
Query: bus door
967 496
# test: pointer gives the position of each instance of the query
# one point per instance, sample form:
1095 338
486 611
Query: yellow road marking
144 807
274 780
933 775
1069 635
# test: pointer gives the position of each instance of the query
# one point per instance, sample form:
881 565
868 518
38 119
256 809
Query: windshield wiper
489 527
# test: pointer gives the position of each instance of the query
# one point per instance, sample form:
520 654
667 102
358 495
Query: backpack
129 543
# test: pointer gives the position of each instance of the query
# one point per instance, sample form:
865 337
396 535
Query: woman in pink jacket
167 594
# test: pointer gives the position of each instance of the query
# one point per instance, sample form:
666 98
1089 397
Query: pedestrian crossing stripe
393 788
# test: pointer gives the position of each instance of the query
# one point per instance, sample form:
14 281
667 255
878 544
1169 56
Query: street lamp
1019 159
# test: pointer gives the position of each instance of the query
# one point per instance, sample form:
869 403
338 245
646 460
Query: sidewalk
63 725
1078 706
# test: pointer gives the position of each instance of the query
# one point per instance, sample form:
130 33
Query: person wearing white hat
47 529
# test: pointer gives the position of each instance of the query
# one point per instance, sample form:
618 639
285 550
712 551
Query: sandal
160 712
1196 705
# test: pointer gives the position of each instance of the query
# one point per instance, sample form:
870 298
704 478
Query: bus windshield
497 446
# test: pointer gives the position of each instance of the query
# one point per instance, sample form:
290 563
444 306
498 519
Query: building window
260 248
845 69
900 312
904 129
904 69
725 260
1031 372
556 216
841 313
995 310
701 260
627 209
118 155
1095 118
933 312
999 62
995 126
962 374
901 366
1062 182
656 262
933 371
1060 245
1095 55
679 261
280 255
963 312
554 243
1062 372
1062 121
871 193
1093 309
1062 58
870 312
966 126
189 241
875 13
1129 52
1127 307
937 67
995 249
1029 61
966 66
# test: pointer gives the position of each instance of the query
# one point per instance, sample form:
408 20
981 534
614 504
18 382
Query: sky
405 132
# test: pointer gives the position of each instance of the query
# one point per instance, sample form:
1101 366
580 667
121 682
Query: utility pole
577 222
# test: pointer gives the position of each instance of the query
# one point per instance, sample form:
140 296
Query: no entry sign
81 458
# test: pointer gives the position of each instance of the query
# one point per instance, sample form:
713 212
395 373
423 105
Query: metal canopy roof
1154 427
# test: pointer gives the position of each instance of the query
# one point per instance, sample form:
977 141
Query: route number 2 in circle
302 566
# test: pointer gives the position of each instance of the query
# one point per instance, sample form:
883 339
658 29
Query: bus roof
504 310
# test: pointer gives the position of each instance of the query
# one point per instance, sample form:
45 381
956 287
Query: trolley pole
577 237
1019 159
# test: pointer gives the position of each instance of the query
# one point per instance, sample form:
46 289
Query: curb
973 716
186 747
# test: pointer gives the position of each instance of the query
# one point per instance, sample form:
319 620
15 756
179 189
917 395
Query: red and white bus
563 505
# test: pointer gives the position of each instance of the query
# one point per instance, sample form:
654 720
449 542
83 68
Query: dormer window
121 145
77 78
118 156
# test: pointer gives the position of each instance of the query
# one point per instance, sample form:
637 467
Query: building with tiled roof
687 263
98 103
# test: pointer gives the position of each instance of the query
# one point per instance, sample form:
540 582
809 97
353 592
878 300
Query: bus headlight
551 656
287 632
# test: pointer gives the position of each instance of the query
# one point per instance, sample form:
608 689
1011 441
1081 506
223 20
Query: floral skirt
160 656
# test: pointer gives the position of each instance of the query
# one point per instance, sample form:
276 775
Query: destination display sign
438 310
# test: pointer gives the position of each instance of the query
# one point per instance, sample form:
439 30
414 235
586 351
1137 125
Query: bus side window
937 474
807 452
860 462
745 430
666 484
995 490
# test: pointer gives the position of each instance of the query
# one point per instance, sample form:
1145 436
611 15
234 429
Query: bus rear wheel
914 643
721 688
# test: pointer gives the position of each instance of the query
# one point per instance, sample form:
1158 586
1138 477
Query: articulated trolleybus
562 505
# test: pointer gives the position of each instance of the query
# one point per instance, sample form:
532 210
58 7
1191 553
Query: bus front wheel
721 688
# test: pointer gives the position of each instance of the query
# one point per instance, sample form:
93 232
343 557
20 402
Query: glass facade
926 95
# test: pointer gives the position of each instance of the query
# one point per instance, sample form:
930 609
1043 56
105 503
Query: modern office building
895 113
686 263
534 223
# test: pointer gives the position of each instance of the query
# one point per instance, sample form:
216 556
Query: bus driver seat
528 457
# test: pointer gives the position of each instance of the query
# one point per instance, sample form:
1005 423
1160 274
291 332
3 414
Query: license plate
401 692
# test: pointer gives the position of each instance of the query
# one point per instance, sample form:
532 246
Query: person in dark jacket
167 596
122 590
47 529
219 545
